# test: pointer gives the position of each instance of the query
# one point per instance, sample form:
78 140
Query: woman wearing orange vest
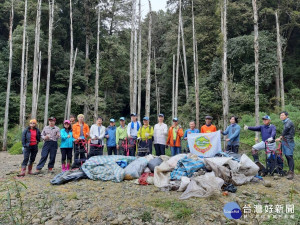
80 133
174 137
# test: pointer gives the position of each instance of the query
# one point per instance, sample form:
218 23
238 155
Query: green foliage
16 149
146 216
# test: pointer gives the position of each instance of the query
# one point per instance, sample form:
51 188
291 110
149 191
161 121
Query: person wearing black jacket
287 141
31 137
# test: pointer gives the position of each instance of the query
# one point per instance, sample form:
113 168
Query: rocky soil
96 202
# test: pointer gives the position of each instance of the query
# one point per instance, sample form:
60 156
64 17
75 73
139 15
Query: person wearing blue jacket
268 134
110 135
66 145
233 135
193 130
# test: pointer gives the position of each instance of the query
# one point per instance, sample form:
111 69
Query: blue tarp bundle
106 168
186 167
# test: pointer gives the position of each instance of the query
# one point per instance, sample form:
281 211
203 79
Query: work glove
146 135
245 127
270 139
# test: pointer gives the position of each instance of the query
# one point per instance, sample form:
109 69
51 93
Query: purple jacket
267 131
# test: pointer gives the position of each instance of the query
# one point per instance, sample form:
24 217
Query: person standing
192 130
208 127
132 130
160 136
31 137
121 138
287 141
66 145
233 135
174 137
97 134
80 134
145 134
50 135
110 135
72 119
268 133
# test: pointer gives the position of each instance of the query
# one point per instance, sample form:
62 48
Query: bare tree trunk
224 67
148 77
39 80
196 73
21 118
177 66
279 58
132 50
68 105
156 85
140 64
277 87
256 55
185 75
97 68
36 60
134 97
25 86
51 18
4 148
173 87
112 18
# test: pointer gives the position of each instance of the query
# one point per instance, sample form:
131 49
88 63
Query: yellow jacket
145 130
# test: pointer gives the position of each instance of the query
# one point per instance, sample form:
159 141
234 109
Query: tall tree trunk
156 85
132 50
185 74
224 67
196 73
277 87
177 66
36 60
112 18
87 70
68 104
148 77
256 56
51 18
4 148
21 118
97 67
173 87
134 97
279 58
25 85
39 79
140 63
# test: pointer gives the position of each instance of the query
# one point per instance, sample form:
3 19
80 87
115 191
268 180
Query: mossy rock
16 149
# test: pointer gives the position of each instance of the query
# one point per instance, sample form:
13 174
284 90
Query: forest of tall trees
196 58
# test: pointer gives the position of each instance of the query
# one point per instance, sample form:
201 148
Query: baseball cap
122 118
133 114
67 121
112 120
266 117
209 117
146 118
52 118
161 115
175 119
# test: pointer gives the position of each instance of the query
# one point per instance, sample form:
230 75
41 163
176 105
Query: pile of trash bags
187 173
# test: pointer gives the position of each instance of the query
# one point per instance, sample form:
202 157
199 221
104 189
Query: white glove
139 138
147 134
245 127
270 139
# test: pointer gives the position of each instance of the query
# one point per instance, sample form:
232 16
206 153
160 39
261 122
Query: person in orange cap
31 137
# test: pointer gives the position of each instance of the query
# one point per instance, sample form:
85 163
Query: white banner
205 144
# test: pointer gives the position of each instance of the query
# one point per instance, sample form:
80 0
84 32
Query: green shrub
16 149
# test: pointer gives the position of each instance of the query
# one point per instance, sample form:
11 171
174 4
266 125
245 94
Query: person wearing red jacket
174 137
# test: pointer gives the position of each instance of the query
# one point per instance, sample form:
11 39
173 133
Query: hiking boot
30 169
23 171
50 170
68 167
37 172
63 167
290 175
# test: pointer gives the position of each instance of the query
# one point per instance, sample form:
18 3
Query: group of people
126 139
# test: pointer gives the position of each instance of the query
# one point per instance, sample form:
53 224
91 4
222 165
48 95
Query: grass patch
179 209
16 149
146 216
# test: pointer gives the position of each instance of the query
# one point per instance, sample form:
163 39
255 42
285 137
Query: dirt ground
97 202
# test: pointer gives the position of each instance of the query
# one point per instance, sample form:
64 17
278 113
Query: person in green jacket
121 135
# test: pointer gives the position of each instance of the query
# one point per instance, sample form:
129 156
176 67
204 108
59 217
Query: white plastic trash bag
162 174
184 183
135 169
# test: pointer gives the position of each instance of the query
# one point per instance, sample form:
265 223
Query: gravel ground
96 202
